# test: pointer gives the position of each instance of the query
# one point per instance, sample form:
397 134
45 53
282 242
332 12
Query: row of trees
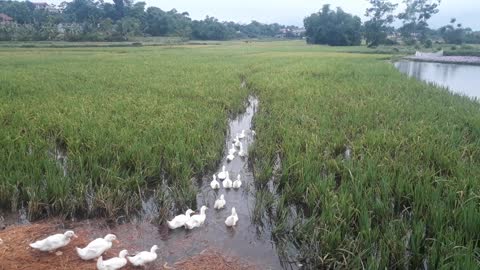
340 28
120 20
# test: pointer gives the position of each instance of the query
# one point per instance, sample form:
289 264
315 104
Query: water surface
462 79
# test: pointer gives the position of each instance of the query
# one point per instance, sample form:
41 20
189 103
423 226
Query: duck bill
116 241
75 236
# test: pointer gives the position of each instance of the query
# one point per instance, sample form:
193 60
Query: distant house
291 33
43 5
4 18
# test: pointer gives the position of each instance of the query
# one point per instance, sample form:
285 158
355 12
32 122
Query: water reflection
462 79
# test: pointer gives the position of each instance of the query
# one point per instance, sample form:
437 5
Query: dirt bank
16 254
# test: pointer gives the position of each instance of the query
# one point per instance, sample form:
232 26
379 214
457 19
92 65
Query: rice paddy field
356 165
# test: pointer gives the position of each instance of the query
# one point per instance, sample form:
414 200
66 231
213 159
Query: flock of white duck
97 247
190 222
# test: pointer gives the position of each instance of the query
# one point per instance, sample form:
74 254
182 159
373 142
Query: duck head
203 209
189 212
111 238
123 253
154 248
222 197
234 212
70 234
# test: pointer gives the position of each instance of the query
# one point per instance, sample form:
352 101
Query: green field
132 119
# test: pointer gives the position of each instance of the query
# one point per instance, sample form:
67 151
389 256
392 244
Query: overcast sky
293 11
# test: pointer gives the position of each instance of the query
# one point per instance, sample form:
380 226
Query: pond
462 79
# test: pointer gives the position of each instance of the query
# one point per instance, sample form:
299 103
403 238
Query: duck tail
79 251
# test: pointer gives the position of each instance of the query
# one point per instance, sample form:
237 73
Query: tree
415 17
83 11
376 29
454 34
333 28
211 29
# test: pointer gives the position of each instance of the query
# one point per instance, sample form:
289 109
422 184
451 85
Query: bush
428 43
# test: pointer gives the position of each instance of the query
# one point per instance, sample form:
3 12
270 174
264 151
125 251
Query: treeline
89 20
336 27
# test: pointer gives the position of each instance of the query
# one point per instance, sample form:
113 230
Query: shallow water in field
462 79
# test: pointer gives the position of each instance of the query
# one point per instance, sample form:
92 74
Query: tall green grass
407 197
152 119
130 119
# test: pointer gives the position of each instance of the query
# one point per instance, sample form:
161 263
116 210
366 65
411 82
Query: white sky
293 11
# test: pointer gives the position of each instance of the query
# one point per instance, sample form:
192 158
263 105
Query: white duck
230 157
220 203
241 152
227 183
232 150
237 183
144 257
54 242
223 174
215 184
232 219
95 248
236 141
197 220
242 135
113 263
179 220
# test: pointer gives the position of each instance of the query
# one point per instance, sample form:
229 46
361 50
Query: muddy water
244 240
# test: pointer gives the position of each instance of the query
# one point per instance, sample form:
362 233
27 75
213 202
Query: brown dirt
16 254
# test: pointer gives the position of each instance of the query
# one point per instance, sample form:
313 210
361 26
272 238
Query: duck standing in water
237 183
223 174
197 220
144 257
232 150
220 203
241 152
180 220
215 184
232 219
227 183
242 135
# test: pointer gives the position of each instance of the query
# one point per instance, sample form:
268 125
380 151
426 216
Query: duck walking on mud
53 242
97 247
113 263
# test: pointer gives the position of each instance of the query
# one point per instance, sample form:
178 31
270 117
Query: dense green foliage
90 20
378 27
333 28
152 118
415 18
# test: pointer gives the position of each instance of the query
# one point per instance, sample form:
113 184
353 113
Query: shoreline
460 60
